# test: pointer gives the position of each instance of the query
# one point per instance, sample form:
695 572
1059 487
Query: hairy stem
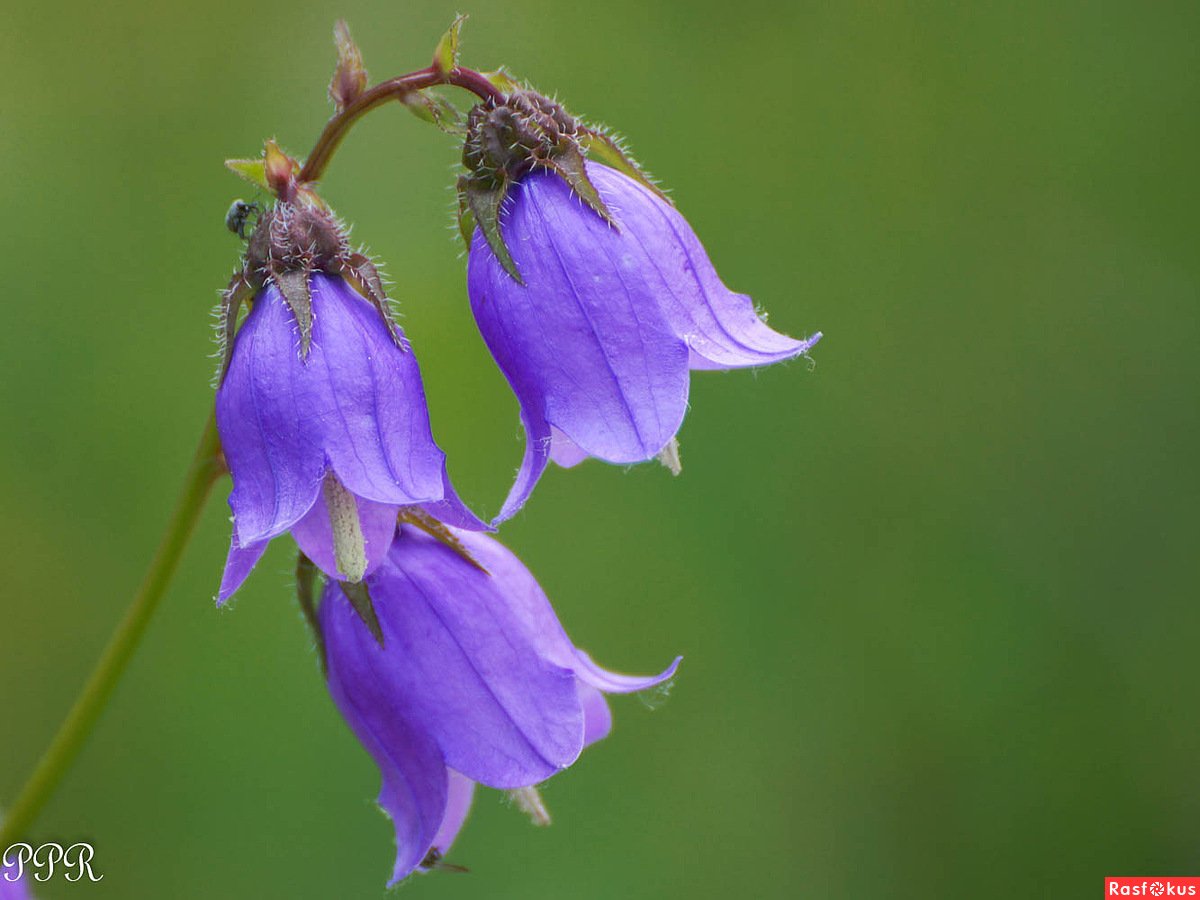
206 467
339 126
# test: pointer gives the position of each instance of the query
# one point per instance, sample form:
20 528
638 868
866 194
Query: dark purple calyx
506 140
291 242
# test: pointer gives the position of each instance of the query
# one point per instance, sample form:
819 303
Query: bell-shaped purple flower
597 336
475 681
324 426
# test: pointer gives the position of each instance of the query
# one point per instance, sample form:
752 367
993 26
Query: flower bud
349 78
504 142
280 171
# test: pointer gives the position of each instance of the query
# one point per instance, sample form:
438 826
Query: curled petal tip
615 683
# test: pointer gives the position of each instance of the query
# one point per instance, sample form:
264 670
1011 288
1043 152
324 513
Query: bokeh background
936 597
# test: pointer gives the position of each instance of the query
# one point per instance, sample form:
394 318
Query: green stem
207 466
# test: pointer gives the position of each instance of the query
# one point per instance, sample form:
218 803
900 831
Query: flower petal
721 328
238 564
414 793
597 717
314 534
451 510
615 683
564 451
458 805
372 415
460 662
533 461
524 598
262 409
528 602
582 342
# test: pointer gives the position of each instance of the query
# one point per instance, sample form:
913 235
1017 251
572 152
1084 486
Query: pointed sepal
345 525
485 200
350 77
435 528
360 599
466 220
568 164
445 56
434 860
307 584
670 458
293 284
604 147
362 275
529 801
239 291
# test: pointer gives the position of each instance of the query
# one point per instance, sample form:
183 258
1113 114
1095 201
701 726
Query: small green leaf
608 150
445 57
485 202
567 163
360 598
253 170
436 110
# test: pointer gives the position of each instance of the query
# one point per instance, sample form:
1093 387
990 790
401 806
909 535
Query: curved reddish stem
339 126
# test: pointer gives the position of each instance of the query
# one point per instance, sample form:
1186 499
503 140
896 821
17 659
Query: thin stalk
206 467
394 88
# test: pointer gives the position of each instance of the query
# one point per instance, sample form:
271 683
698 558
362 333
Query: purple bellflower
592 292
320 409
474 681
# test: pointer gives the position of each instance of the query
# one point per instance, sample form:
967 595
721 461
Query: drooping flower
321 410
592 292
475 681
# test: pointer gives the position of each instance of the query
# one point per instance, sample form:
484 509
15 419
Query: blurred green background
933 596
